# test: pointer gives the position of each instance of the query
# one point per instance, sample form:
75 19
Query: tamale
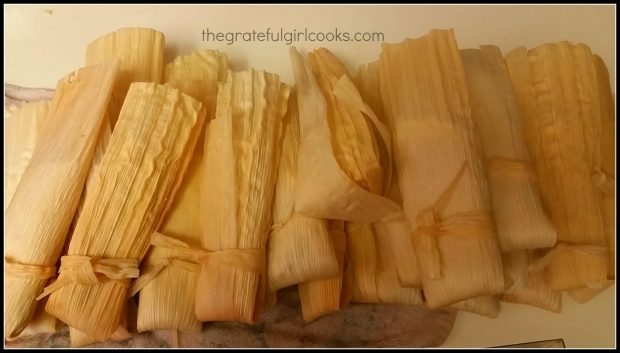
486 305
35 231
242 146
23 129
325 296
167 300
338 153
125 330
141 170
517 205
300 248
394 231
557 92
441 176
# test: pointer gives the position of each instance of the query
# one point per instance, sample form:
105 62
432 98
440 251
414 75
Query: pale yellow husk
135 185
242 151
441 172
557 91
486 305
39 215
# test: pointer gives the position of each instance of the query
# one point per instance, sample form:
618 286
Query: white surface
43 43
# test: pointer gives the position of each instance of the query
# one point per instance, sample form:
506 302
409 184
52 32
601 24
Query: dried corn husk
339 172
241 158
24 128
325 296
515 197
530 287
394 231
557 91
167 300
126 329
486 305
441 176
300 248
139 175
35 231
41 322
584 294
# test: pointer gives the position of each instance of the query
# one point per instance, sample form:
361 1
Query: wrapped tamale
242 149
441 173
339 169
23 129
39 214
167 299
325 296
558 95
126 328
300 248
141 170
517 205
486 305
394 230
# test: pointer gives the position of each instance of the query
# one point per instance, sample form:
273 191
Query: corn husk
486 305
339 168
126 329
517 205
41 323
35 231
167 301
441 176
529 287
139 175
557 91
24 128
241 158
584 294
325 296
300 248
393 231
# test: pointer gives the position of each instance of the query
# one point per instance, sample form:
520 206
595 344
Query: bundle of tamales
557 90
517 205
35 231
441 172
168 281
135 184
242 146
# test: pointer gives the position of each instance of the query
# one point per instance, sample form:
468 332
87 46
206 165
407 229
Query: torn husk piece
557 91
24 127
300 248
139 175
35 232
393 230
242 151
325 296
338 156
441 174
167 299
517 205
486 305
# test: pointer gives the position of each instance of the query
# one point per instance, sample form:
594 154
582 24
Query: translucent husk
441 172
35 232
557 91
167 301
325 296
136 182
300 248
517 205
242 147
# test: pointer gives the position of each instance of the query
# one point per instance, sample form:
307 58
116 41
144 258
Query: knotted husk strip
517 204
394 231
139 175
300 248
23 129
39 214
325 296
167 301
486 305
441 173
338 158
242 151
529 286
557 91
